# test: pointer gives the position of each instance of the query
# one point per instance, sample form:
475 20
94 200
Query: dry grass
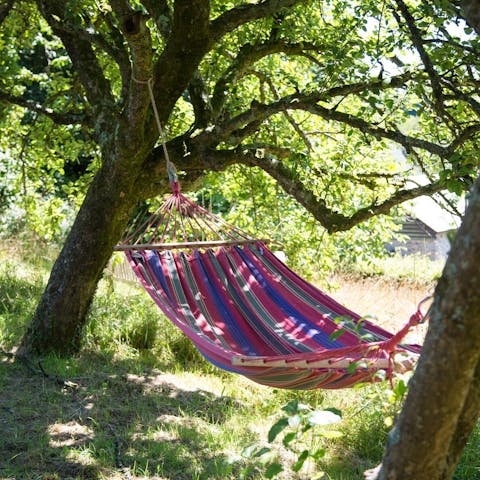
389 302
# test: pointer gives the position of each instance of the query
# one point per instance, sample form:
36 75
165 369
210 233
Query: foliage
301 437
249 199
411 268
348 49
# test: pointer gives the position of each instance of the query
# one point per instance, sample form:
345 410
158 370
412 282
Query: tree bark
465 425
443 402
61 314
126 138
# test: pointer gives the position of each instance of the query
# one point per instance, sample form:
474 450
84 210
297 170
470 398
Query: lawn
139 402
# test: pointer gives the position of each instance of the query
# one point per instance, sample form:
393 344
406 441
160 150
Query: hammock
246 311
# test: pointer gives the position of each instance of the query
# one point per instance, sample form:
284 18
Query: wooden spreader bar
187 245
344 363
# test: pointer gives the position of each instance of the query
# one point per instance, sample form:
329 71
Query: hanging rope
171 170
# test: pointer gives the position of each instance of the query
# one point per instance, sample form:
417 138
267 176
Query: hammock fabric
246 311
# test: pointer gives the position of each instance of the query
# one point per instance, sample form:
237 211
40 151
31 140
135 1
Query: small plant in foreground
301 430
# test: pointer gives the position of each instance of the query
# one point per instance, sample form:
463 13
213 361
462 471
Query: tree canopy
348 107
352 107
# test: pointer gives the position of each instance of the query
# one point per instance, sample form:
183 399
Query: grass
143 404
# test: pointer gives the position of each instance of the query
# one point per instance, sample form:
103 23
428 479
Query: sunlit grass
147 403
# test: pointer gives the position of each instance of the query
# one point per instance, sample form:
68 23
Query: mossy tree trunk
126 135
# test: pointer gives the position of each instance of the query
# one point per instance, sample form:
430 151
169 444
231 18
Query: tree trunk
61 314
465 425
443 402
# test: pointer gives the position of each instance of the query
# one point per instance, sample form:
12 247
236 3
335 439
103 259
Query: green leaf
301 460
334 410
291 407
288 438
273 470
400 389
277 428
261 452
338 333
318 454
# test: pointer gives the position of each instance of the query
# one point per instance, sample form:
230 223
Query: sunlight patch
69 434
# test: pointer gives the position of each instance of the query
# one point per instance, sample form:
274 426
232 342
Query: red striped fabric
242 303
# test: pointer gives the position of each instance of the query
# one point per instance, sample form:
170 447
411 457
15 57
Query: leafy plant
300 428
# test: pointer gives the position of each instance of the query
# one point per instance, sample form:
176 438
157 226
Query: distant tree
316 94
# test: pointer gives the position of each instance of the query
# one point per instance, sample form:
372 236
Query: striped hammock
246 311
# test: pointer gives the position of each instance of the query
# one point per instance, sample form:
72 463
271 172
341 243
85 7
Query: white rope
171 170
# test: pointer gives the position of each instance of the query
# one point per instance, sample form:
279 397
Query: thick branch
243 125
248 12
188 42
134 29
194 159
329 218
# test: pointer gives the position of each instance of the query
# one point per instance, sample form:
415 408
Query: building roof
433 215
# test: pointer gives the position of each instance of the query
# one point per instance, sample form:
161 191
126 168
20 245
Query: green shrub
18 299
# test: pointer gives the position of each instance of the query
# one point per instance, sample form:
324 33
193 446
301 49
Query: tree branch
85 62
459 95
471 13
330 219
395 135
236 129
290 119
247 56
62 118
418 42
116 51
464 136
248 12
161 14
134 29
189 41
5 8
200 100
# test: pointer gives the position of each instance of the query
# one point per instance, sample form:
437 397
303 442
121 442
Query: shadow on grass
114 424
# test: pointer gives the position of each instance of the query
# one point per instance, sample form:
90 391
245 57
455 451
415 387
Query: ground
128 414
